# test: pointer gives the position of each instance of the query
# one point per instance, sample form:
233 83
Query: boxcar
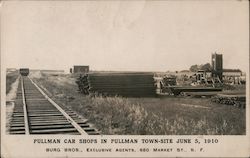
24 71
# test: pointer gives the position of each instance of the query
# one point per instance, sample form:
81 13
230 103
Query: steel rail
26 120
79 128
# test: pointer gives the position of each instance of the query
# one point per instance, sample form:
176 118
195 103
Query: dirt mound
12 93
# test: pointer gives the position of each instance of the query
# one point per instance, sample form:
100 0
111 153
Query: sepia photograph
124 68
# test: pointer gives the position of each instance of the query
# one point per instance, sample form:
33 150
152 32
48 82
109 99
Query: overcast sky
129 35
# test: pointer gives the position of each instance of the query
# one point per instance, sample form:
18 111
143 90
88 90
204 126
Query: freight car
24 71
177 90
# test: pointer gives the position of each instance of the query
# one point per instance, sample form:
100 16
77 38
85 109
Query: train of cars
175 90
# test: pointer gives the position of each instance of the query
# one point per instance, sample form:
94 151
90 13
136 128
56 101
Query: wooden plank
55 123
51 127
50 131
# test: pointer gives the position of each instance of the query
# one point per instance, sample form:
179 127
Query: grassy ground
10 78
156 116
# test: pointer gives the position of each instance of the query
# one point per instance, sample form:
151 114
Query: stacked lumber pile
121 84
83 84
234 100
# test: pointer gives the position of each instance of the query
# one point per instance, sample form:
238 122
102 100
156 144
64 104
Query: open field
138 116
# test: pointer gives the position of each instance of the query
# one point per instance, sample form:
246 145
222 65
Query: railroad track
36 113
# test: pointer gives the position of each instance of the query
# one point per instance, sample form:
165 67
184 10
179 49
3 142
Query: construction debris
234 100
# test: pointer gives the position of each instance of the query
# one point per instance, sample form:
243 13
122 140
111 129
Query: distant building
80 69
217 65
232 72
233 76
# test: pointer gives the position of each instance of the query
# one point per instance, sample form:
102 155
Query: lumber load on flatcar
121 84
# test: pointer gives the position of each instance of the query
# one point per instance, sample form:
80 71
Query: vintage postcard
142 78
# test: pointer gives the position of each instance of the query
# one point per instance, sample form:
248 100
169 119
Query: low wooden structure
81 69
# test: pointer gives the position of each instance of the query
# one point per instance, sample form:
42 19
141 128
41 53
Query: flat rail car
24 71
176 90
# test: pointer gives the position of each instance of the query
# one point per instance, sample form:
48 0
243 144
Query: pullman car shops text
124 141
